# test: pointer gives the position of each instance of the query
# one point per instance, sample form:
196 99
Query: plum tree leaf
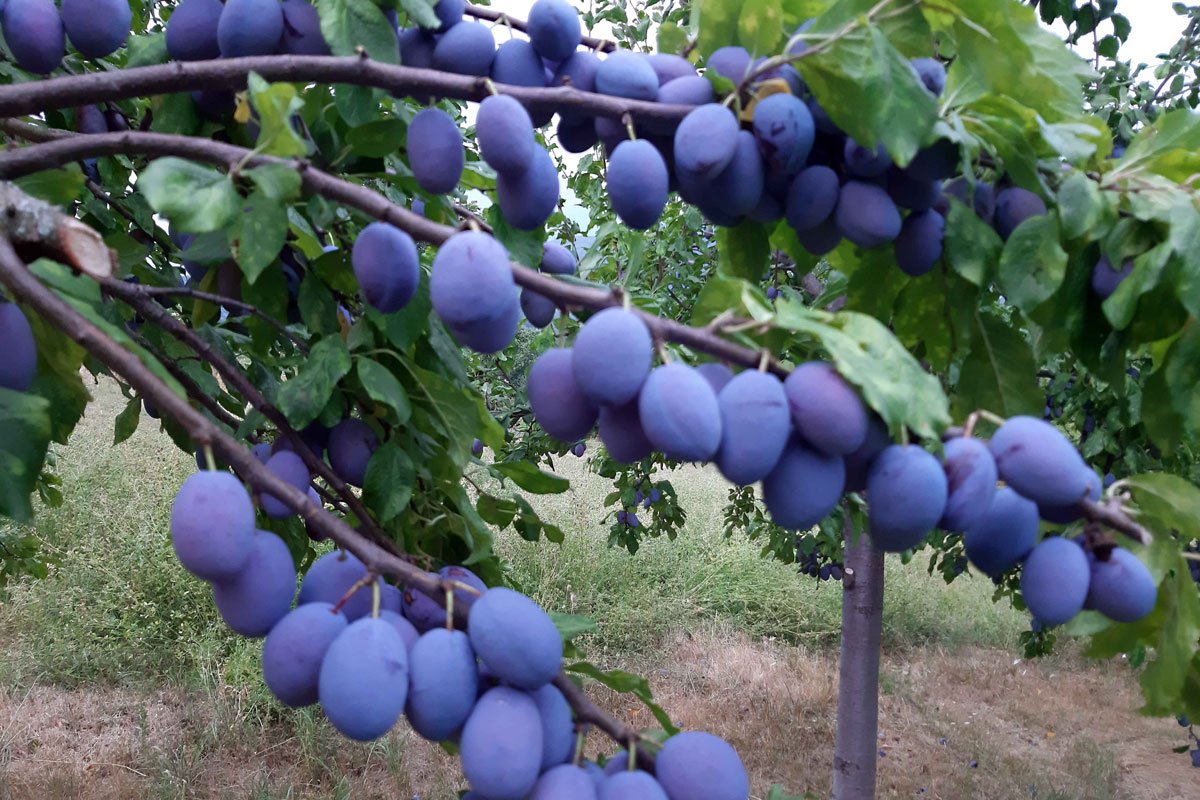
258 234
24 439
1033 263
302 398
350 24
745 250
626 683
389 482
196 198
126 423
530 478
760 25
276 103
972 247
382 387
998 373
572 625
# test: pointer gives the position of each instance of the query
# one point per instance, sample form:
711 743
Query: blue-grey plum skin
426 613
1121 588
970 481
537 308
290 468
680 413
730 62
620 429
212 525
192 30
471 279
33 30
919 245
250 28
804 486
755 425
690 90
784 129
1106 279
636 785
627 74
553 28
443 683
1054 580
716 373
435 151
812 197
252 601
865 162
826 411
18 362
387 266
612 357
1061 515
403 627
705 140
694 765
738 187
351 444
293 651
866 215
557 260
1033 457
97 28
558 727
565 781
504 133
491 335
1014 205
577 70
529 198
501 745
932 74
515 638
906 496
364 679
302 29
468 48
556 399
328 580
858 463
1003 534
637 183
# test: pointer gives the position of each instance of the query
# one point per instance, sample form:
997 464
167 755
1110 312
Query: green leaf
389 482
1082 207
318 309
56 186
1165 677
276 103
382 387
1148 270
193 197
175 113
725 293
377 139
24 439
498 511
524 247
1170 147
258 234
270 295
421 12
999 374
350 24
744 251
127 421
718 23
671 38
302 398
530 478
626 683
146 50
276 181
1170 404
1033 264
760 25
1169 499
572 625
972 246
357 105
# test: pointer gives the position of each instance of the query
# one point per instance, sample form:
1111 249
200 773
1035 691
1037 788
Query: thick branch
21 99
193 390
492 15
42 228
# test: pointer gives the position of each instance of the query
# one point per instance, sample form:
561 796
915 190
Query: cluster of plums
37 31
347 446
816 565
18 357
368 652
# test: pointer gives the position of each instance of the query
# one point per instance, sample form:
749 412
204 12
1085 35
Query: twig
209 297
492 15
98 192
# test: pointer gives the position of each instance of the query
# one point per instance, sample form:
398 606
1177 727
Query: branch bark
491 14
209 297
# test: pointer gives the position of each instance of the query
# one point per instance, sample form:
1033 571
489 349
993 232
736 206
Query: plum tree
627 74
329 579
705 140
96 28
970 482
435 151
294 649
755 424
1054 580
556 398
1121 588
784 129
919 245
1106 278
558 728
866 215
611 357
212 525
527 199
302 29
18 361
351 445
1014 205
504 133
291 468
192 30
812 197
553 28
566 781
637 183
694 765
467 48
33 31
825 409
1003 534
515 638
680 414
250 28
256 598
387 266
633 785
804 486
443 683
501 744
1033 457
363 683
907 492
620 428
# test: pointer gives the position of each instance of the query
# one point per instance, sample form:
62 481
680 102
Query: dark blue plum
705 140
252 601
389 597
1105 279
403 627
553 28
936 162
804 486
680 414
212 525
262 451
515 638
982 197
612 357
328 580
293 651
699 766
821 239
1055 580
690 90
866 215
387 266
537 308
351 444
567 782
443 682
858 463
784 129
865 162
617 763
1061 515
1034 458
916 194
576 137
425 613
812 197
416 50
97 28
637 183
627 74
529 198
490 335
556 399
932 74
468 48
364 679
18 360
825 408
34 33
192 30
610 132
1014 205
731 62
291 469
501 745
435 151
821 119
997 539
737 188
449 13
471 280
250 28
970 482
621 431
1121 588
518 64
577 70
768 209
919 245
717 375
302 30
558 728
669 67
505 134
635 785
906 496
755 425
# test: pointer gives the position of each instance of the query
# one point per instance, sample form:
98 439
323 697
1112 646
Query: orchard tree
916 269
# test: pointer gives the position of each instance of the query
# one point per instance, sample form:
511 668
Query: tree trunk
855 751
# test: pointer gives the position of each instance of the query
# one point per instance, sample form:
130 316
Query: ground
119 681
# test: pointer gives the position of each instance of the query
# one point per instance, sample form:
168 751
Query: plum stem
627 121
990 416
969 425
580 736
764 361
449 605
375 597
632 754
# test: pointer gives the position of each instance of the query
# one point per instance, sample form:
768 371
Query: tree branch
190 386
209 297
491 14
155 235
